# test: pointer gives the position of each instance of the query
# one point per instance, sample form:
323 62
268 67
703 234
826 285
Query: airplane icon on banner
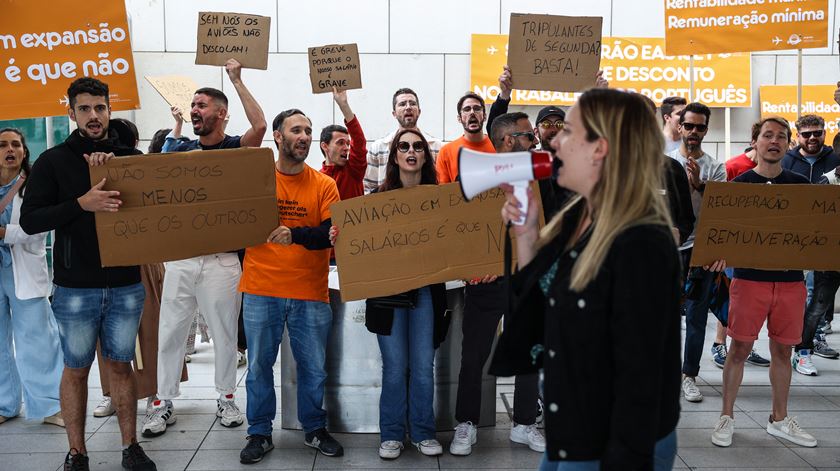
776 41
63 101
492 50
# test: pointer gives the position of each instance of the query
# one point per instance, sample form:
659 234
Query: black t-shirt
229 142
787 177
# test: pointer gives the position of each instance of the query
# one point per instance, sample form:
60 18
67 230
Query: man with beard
285 285
206 283
471 116
485 302
344 150
701 167
775 296
812 159
406 110
90 303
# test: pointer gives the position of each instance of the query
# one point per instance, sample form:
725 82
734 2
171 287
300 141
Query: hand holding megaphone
480 171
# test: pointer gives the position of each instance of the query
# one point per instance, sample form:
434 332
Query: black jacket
679 198
601 403
827 161
380 320
59 177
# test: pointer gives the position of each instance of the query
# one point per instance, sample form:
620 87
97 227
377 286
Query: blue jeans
663 458
696 315
34 367
111 315
408 373
309 325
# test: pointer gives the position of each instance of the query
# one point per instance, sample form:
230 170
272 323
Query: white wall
423 45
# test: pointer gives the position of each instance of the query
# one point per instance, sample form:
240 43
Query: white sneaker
465 437
788 429
105 408
690 391
429 447
163 414
528 435
229 412
725 428
802 363
390 449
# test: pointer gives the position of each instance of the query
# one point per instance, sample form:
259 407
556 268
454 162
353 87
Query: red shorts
782 304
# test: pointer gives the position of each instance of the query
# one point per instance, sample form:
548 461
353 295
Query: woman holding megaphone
408 326
605 266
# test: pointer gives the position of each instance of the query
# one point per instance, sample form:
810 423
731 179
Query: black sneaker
75 461
257 447
757 360
322 441
135 459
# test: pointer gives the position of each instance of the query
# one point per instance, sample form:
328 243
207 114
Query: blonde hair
627 193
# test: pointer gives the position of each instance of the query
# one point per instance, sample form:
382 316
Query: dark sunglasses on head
404 146
692 126
527 134
808 134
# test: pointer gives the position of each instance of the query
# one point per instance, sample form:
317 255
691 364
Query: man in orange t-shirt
284 282
471 115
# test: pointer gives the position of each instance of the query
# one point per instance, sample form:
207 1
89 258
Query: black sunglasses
404 146
530 135
808 134
692 126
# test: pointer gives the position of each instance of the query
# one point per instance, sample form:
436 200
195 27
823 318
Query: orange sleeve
442 165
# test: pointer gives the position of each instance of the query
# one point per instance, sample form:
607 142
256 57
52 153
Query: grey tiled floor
198 442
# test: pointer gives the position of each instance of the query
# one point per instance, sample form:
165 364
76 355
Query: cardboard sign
223 36
632 64
769 227
692 27
45 46
415 237
183 205
548 52
780 100
335 65
177 90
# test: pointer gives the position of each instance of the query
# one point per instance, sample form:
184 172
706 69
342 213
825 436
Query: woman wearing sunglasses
409 326
606 264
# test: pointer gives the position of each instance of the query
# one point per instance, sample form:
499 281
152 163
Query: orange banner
635 64
715 26
41 52
780 100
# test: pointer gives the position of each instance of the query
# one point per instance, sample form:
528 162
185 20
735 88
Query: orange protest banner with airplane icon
715 26
780 100
41 53
634 64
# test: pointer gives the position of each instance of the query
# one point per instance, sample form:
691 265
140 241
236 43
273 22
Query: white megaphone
480 171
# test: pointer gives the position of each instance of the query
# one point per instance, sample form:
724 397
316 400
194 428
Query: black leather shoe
135 459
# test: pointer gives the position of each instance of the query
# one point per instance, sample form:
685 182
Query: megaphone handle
520 191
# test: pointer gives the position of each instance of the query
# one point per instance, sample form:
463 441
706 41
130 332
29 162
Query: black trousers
822 302
484 306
